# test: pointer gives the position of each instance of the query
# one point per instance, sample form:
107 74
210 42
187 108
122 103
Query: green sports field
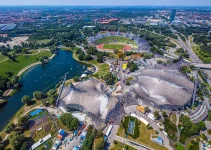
113 46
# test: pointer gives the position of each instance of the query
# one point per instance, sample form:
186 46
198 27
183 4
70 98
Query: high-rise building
173 14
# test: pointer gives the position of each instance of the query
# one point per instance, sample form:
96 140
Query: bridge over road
202 66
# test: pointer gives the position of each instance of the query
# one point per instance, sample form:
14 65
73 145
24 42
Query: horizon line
112 5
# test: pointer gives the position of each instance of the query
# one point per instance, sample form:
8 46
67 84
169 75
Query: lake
40 78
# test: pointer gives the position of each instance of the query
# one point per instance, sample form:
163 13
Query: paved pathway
4 60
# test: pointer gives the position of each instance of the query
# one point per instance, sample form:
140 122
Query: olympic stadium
161 88
91 97
141 43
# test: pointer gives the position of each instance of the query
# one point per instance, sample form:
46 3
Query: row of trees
48 98
94 140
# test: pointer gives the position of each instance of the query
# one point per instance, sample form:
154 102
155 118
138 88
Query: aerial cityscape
105 75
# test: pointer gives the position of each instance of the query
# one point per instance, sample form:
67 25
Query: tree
99 144
51 92
164 114
22 121
2 147
1 93
100 58
209 131
156 115
52 100
38 95
26 99
24 146
17 140
3 83
15 80
209 115
76 78
10 128
110 78
201 125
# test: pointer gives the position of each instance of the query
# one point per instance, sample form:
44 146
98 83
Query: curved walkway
27 67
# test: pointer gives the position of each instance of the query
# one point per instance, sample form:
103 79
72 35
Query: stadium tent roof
89 96
163 86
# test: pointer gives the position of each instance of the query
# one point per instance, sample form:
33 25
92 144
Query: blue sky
109 2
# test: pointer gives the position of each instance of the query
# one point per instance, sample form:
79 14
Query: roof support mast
61 88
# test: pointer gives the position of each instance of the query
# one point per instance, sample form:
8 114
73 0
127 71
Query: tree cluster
110 78
132 66
69 121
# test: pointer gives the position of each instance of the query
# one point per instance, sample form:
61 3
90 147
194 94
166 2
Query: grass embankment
44 41
204 56
2 57
120 146
179 147
113 46
21 62
144 137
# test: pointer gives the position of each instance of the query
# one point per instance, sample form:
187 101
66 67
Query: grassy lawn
21 62
2 57
179 147
119 146
113 46
45 41
144 137
103 68
193 146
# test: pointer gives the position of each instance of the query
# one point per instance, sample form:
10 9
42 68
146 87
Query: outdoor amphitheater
161 88
110 41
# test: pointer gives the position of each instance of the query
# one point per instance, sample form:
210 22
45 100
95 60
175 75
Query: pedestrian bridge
202 66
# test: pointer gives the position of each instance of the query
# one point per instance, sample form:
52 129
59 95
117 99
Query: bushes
125 123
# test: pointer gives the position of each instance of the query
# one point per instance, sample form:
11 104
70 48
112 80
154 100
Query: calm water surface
39 78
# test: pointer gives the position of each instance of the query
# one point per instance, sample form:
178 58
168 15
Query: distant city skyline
110 2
